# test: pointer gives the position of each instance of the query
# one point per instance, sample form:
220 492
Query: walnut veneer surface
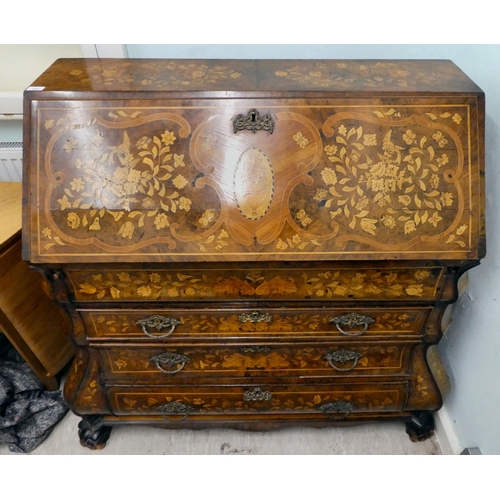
33 324
253 243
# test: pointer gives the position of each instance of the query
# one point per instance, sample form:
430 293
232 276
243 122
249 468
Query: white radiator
11 161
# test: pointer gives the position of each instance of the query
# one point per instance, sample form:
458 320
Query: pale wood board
10 211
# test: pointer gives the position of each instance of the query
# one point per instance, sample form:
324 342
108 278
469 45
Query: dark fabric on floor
28 412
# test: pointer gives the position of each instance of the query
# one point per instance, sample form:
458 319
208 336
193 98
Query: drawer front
159 180
256 283
201 363
170 326
335 401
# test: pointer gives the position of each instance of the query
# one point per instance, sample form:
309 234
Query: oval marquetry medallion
253 183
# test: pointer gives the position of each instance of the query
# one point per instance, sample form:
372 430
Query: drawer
161 325
335 401
257 283
203 363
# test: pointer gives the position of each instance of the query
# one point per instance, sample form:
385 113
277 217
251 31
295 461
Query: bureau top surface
253 76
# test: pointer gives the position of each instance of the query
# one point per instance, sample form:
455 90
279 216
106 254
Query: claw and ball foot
93 433
421 426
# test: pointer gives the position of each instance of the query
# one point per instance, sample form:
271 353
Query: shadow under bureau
253 244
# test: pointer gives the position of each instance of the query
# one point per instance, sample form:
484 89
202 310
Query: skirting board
445 433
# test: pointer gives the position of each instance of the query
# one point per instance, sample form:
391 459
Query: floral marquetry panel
329 283
194 402
205 75
385 322
258 361
178 181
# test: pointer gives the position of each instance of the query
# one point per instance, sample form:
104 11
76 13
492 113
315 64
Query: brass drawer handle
253 122
158 323
175 408
352 320
343 356
344 407
257 395
171 359
255 317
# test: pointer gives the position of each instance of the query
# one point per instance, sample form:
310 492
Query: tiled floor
369 439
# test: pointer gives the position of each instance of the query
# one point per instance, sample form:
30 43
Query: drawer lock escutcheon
172 360
253 122
257 395
175 408
352 320
344 407
255 317
158 323
343 356
255 349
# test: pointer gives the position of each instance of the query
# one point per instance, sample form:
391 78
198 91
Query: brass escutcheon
253 122
255 317
257 395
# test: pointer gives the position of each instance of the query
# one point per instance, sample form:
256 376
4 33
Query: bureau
253 244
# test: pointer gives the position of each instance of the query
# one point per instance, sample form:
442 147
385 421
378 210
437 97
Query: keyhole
253 116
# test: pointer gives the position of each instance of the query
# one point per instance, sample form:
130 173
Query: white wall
20 65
